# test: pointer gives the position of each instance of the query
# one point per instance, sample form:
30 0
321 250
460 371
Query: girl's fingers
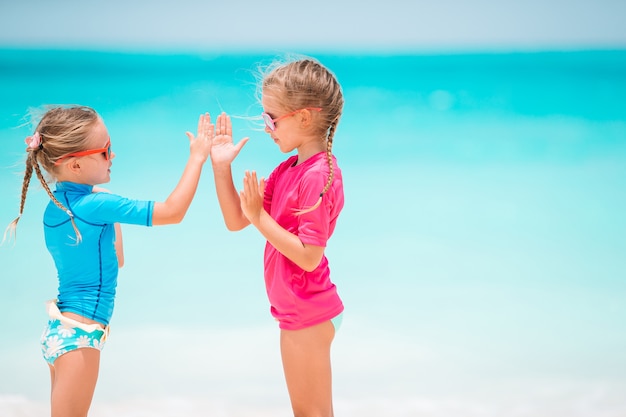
245 182
229 126
250 183
224 126
218 125
206 123
201 125
205 127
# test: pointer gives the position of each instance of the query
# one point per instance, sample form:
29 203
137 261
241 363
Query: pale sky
365 25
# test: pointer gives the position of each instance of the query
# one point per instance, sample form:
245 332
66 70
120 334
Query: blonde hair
306 83
62 130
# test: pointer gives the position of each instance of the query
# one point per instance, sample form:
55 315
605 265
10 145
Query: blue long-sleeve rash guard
87 271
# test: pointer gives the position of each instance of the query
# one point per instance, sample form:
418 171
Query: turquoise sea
481 254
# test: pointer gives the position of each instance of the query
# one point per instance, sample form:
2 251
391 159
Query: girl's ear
305 118
73 165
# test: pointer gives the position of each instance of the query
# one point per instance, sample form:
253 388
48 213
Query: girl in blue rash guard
83 235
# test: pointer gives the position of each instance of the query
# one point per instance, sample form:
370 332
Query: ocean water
480 254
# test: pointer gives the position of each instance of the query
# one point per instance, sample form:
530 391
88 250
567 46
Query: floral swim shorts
63 335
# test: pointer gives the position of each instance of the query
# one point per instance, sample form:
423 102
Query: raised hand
251 197
223 149
174 208
200 145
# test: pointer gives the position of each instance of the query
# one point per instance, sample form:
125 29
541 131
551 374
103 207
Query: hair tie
34 141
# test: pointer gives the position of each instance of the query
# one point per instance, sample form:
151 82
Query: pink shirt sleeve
313 227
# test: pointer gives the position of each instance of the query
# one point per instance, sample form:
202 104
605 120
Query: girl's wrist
201 159
220 167
255 218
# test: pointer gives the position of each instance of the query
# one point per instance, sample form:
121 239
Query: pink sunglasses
271 123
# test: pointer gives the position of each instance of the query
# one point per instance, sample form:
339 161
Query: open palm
223 149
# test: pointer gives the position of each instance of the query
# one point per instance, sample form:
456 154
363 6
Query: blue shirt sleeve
98 208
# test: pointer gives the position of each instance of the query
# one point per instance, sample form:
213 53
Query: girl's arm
307 257
119 245
223 152
174 208
228 199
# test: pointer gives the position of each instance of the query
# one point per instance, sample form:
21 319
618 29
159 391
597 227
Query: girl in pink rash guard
296 210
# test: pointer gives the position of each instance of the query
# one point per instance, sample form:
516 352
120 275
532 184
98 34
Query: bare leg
74 379
51 379
306 363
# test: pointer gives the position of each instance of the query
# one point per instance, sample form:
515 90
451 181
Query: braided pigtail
11 229
57 203
329 158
